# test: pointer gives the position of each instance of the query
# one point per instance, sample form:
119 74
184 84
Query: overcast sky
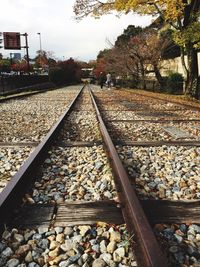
60 32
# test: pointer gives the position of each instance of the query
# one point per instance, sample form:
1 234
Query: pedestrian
109 80
101 79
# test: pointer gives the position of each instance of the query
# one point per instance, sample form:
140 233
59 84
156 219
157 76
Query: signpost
12 40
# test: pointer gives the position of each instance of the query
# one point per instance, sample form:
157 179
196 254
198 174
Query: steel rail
156 143
12 194
21 95
155 121
169 101
149 252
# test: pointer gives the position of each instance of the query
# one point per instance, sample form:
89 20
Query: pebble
7 252
83 180
12 263
183 250
93 247
81 126
11 159
150 132
154 170
99 263
33 116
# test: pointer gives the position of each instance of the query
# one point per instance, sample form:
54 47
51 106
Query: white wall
175 65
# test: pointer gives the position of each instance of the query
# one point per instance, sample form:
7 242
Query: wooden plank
156 114
19 144
78 143
87 213
33 216
156 143
165 211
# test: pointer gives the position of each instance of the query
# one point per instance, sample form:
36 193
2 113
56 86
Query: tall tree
128 33
182 15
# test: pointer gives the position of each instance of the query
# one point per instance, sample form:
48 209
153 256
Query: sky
60 32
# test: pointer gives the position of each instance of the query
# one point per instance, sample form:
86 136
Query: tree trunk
143 75
185 69
158 76
191 86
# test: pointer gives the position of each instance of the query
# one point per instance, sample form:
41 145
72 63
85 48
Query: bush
56 75
66 72
174 83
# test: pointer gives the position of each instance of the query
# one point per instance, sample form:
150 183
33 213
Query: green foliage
174 83
103 53
128 33
191 34
4 65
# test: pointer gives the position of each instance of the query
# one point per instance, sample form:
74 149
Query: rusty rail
169 101
12 194
149 252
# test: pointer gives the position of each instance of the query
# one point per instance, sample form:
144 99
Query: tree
150 47
65 72
4 65
44 59
100 67
181 15
136 55
21 67
128 33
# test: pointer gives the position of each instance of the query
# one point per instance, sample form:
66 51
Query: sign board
12 40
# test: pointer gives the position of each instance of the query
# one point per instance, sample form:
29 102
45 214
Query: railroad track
24 123
159 146
53 202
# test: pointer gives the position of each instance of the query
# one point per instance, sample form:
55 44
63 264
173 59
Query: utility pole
27 54
40 42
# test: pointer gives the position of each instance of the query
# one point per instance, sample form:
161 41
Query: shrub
56 75
174 83
66 72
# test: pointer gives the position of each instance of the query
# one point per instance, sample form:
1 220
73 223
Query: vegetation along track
75 177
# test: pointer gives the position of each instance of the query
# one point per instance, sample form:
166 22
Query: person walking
101 79
108 81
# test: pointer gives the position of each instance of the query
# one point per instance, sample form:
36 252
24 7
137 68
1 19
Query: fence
153 85
13 83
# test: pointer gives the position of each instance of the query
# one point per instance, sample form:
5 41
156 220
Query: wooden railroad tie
88 213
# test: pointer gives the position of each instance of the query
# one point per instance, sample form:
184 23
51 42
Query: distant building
16 56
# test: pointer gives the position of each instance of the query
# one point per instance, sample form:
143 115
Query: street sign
12 40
